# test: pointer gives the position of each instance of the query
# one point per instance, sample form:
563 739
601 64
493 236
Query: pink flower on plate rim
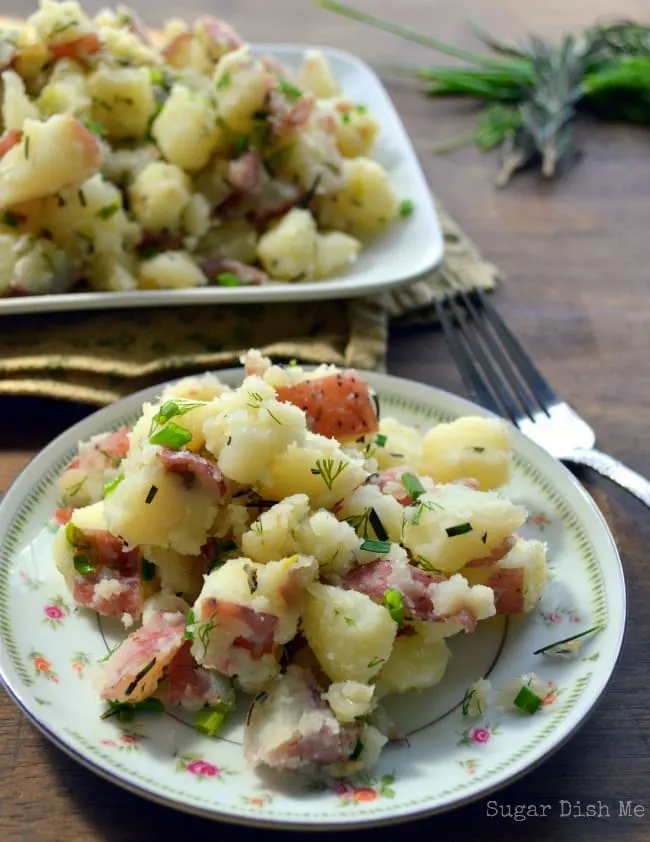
54 612
479 735
128 739
203 769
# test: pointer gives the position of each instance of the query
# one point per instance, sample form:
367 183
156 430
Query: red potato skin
338 406
8 140
508 586
86 45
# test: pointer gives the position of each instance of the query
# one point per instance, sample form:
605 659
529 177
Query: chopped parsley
126 711
227 279
329 470
290 91
394 602
151 494
458 529
413 485
406 208
147 570
172 409
210 720
370 546
109 210
10 219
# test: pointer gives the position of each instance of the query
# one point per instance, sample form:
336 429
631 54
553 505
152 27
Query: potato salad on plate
130 163
278 539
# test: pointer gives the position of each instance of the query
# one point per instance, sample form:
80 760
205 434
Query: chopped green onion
345 117
395 603
361 109
371 546
210 720
126 711
527 701
172 436
10 219
377 525
413 485
557 647
95 128
147 570
109 210
459 529
83 565
172 409
82 198
356 754
189 621
290 91
380 440
223 81
74 536
406 208
139 676
151 495
478 449
227 279
110 487
156 76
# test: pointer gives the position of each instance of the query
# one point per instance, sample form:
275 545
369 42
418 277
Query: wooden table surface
576 254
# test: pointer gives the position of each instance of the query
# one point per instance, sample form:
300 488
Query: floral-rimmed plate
47 648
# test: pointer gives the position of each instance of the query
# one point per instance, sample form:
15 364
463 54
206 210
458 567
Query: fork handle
611 468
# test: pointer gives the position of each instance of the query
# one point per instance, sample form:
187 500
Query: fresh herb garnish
375 662
83 565
370 546
210 720
172 409
151 495
377 525
75 536
345 117
349 621
172 436
564 647
406 208
360 522
478 449
290 91
82 198
95 128
189 621
126 711
251 578
527 701
380 440
413 485
77 487
458 529
10 219
358 749
109 210
139 676
227 279
329 470
394 602
147 570
223 81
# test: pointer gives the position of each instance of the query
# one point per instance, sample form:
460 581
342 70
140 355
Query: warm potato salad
279 539
132 164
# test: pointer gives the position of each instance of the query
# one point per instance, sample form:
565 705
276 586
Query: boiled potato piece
241 86
16 105
519 579
272 535
51 155
170 270
477 448
66 92
356 129
123 166
185 129
177 518
335 253
417 661
316 76
123 100
236 240
365 204
403 445
453 525
159 195
288 251
177 573
311 158
59 24
351 636
91 518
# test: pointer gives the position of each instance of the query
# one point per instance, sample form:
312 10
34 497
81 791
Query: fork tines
495 369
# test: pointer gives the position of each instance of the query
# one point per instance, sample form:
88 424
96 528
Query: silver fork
499 375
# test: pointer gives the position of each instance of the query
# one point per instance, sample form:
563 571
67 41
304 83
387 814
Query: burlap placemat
96 358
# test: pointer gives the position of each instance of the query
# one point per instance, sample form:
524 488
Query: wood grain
576 254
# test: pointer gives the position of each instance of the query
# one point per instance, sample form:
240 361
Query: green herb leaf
223 82
558 648
189 621
290 91
126 711
377 525
527 701
370 546
76 537
83 565
95 128
459 529
210 720
394 601
380 440
139 676
147 570
172 436
329 470
110 487
413 485
227 279
406 208
358 749
109 210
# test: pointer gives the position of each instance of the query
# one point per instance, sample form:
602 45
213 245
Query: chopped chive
227 279
394 602
380 440
83 565
361 109
223 81
95 128
478 449
406 208
227 546
82 198
172 436
413 485
459 529
210 720
527 701
189 621
290 91
356 754
10 219
110 487
147 570
26 147
375 662
151 494
109 210
550 648
377 525
139 676
147 252
371 546
126 711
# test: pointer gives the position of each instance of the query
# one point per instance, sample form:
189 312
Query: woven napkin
99 357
